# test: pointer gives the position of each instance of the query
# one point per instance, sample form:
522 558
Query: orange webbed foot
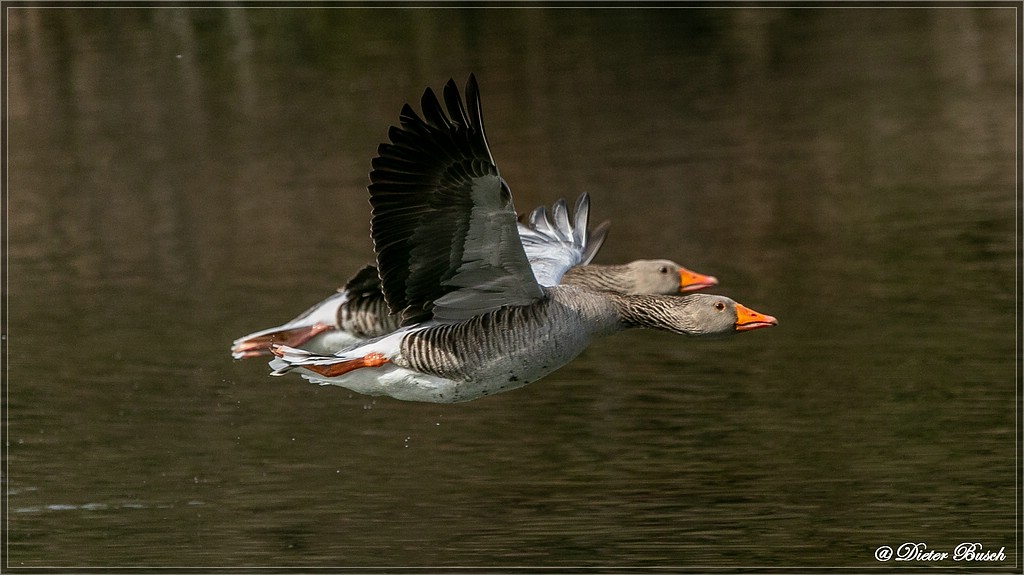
295 337
373 359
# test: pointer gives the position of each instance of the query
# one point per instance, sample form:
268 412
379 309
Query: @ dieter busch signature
920 552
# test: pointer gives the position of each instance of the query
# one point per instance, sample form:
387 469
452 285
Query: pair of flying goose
465 299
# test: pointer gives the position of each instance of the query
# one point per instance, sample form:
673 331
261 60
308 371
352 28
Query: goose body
509 347
443 363
355 313
477 318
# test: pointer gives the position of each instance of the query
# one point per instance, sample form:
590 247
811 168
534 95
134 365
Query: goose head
665 277
695 314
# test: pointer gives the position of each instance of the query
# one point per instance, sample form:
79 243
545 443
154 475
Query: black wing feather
366 283
443 224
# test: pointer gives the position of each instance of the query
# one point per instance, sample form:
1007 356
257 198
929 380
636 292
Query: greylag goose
476 320
358 312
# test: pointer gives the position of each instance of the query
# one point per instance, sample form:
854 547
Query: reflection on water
181 177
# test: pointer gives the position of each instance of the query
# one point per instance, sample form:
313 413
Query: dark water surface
180 177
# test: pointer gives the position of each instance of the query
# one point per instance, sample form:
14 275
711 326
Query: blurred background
178 178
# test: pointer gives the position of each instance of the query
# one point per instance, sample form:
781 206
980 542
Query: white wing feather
554 243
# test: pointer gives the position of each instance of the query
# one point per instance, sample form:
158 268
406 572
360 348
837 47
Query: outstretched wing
554 243
443 224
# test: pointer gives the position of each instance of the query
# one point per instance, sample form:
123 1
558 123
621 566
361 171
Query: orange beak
693 281
748 319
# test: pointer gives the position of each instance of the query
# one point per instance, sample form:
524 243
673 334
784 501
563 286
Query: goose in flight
476 317
357 311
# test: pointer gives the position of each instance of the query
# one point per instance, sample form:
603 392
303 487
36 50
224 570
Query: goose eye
663 270
719 305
